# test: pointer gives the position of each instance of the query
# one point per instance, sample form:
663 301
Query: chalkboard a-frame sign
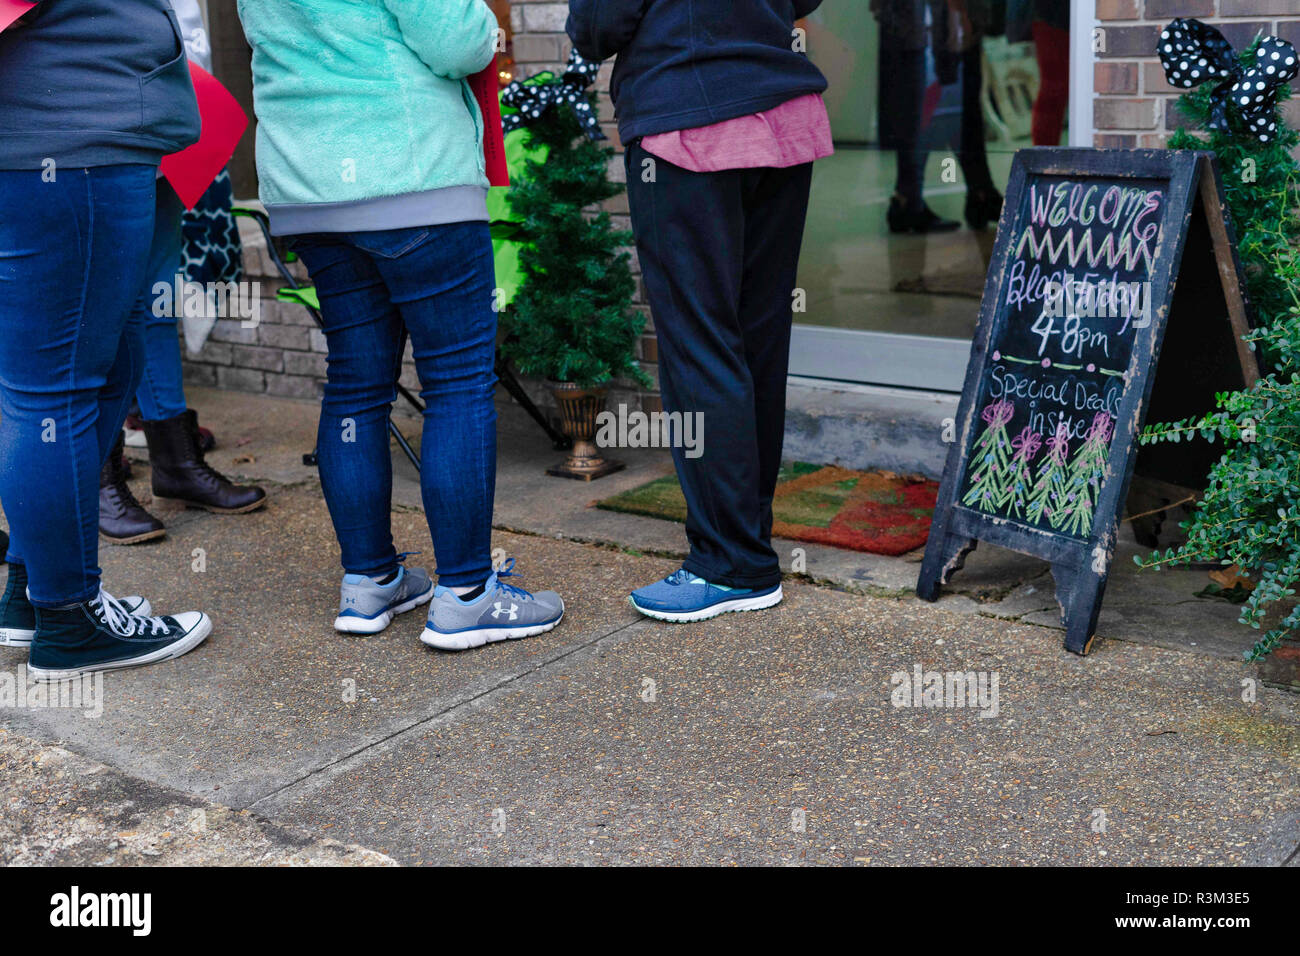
1082 334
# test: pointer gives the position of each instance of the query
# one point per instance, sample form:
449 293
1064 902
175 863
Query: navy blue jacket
94 83
688 63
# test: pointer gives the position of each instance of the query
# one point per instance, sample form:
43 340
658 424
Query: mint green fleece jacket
362 99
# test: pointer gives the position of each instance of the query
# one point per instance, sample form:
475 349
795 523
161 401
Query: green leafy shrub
571 320
1250 513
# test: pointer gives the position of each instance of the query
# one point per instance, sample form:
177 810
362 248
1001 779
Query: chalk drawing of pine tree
1086 471
1049 486
991 458
1020 479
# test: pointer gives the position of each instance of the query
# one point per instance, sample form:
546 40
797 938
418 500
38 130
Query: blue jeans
434 283
161 394
72 268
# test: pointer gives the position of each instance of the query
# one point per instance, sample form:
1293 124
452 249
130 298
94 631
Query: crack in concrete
603 543
458 703
1017 618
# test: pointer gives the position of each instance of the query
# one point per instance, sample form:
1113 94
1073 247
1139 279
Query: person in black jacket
720 111
688 63
92 94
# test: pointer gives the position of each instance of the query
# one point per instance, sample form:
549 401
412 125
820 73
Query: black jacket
688 63
94 83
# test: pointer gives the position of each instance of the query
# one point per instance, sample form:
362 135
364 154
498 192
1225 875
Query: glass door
929 100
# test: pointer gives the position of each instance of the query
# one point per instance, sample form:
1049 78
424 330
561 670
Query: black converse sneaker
99 635
18 616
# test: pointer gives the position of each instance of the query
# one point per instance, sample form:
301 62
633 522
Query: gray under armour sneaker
502 612
367 607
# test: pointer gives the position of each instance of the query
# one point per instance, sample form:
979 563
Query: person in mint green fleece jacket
364 113
370 156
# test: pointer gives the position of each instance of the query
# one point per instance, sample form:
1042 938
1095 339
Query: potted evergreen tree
571 321
1247 517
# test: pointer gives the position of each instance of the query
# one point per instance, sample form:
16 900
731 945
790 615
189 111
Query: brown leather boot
122 519
181 476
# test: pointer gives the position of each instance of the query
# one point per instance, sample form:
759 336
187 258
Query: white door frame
1083 23
928 362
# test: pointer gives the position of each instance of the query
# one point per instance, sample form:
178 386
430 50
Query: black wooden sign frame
1080 567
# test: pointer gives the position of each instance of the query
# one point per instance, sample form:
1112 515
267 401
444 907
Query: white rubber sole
186 644
16 637
723 607
358 625
464 640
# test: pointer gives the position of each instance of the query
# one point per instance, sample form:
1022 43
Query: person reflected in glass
1047 23
954 30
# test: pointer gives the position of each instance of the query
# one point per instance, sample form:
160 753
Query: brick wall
285 353
1134 105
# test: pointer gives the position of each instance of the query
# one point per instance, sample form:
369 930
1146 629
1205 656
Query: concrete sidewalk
764 738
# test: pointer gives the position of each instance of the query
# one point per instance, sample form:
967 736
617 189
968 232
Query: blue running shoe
682 597
367 607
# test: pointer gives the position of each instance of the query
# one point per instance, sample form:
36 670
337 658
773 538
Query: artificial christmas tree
571 320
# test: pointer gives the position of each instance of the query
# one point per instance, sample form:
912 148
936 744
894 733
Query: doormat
873 511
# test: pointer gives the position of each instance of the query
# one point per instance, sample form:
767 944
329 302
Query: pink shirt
796 132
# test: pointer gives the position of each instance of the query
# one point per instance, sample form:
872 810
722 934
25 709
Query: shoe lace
507 571
198 457
121 621
126 498
680 576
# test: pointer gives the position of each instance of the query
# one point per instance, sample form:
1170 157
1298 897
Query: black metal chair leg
506 377
404 444
312 459
407 394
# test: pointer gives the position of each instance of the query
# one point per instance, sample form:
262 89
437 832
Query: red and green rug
872 511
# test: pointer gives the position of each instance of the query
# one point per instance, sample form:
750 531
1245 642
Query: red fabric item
486 88
11 10
192 170
1052 47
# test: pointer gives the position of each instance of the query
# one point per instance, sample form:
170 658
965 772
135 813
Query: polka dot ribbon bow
1193 53
535 98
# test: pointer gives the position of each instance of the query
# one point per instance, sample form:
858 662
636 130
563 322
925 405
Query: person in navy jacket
721 114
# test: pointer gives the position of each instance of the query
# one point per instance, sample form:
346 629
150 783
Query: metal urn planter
578 410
